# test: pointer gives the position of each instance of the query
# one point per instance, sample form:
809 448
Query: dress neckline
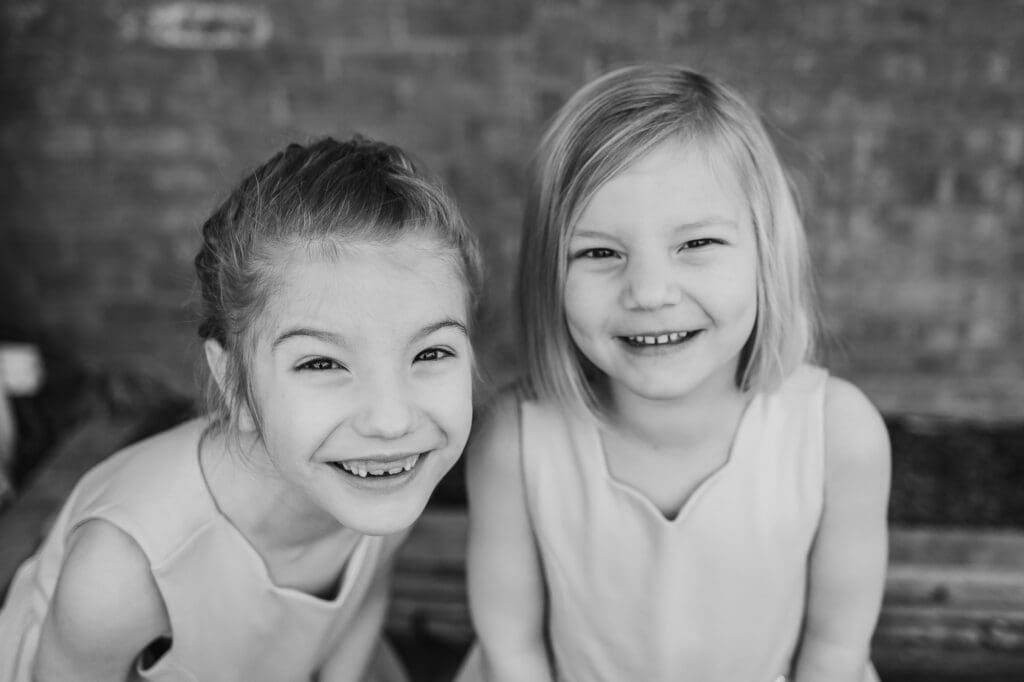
708 482
351 567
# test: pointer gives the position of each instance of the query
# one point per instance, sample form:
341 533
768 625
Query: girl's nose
650 284
386 412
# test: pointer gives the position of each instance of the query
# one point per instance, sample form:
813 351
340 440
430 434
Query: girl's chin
378 527
381 518
383 505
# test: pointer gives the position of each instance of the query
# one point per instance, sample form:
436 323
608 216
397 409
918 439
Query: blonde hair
605 127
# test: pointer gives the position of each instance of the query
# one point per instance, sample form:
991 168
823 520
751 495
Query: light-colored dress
230 622
716 594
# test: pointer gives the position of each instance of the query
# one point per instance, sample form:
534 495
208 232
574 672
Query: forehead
365 289
675 181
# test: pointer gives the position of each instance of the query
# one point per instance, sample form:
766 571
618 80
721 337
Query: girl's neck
254 498
683 422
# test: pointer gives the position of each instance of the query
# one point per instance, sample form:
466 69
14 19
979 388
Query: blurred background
123 123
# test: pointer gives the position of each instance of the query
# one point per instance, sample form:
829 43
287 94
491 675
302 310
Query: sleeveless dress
229 621
716 594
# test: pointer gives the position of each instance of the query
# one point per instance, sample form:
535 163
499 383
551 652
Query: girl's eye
433 355
699 243
319 364
595 253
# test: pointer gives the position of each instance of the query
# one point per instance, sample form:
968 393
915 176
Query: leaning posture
675 492
255 543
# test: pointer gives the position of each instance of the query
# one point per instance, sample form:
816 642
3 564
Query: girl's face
362 377
661 289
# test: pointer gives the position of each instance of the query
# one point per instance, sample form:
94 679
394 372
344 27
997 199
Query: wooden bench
954 602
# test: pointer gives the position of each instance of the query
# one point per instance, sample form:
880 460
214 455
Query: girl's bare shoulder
855 433
106 605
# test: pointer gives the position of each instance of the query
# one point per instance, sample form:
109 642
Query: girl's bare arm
506 585
848 560
106 609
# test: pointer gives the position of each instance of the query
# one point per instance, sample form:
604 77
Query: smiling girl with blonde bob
674 492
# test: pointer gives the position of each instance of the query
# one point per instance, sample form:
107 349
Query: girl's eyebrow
609 232
447 323
319 334
709 221
717 221
336 339
588 234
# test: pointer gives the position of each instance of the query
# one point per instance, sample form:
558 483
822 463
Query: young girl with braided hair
255 543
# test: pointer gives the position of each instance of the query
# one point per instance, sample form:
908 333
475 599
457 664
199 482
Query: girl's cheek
444 391
459 398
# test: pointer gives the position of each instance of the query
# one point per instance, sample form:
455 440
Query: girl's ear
217 361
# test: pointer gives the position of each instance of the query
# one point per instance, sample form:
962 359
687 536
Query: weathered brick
901 120
368 22
178 24
68 142
1011 142
187 178
480 20
145 141
1013 201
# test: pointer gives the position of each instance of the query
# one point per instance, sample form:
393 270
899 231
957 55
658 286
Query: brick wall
121 123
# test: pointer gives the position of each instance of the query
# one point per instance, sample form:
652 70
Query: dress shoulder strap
152 490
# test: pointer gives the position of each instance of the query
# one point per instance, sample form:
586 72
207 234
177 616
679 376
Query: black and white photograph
511 341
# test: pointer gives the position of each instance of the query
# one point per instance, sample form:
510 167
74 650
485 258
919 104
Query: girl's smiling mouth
379 468
658 339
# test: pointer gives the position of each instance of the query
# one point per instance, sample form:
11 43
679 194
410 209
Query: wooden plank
413 618
942 640
941 546
438 539
440 588
954 629
967 587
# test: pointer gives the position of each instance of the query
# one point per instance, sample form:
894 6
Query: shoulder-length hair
604 128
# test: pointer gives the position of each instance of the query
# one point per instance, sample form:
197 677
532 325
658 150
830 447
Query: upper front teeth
368 467
672 337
